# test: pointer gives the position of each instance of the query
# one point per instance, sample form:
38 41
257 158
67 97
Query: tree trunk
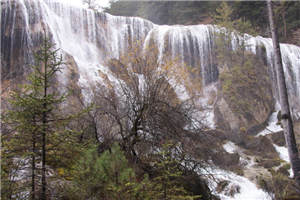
44 124
285 108
33 167
284 25
44 161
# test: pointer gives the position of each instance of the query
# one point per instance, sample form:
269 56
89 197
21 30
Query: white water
180 89
273 125
80 4
207 100
230 147
291 65
284 155
192 45
247 189
92 38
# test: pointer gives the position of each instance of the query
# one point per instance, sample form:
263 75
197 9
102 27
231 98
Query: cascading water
191 44
92 38
291 64
16 42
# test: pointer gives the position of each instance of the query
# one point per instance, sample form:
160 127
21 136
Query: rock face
88 40
247 98
14 40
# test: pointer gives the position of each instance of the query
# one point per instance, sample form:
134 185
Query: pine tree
223 18
107 176
231 29
22 119
22 116
167 185
48 63
35 125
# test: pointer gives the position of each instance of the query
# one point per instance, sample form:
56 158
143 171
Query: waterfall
191 44
92 38
16 43
291 66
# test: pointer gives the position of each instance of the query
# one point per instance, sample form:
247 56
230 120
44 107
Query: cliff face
14 40
88 40
246 94
238 94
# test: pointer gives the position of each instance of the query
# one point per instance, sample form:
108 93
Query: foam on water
230 147
247 189
273 125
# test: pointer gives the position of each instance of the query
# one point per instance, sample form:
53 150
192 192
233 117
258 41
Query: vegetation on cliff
247 90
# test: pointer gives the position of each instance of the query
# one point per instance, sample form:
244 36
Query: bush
279 186
105 176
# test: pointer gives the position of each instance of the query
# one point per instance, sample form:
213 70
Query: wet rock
228 188
233 189
260 146
245 97
225 160
278 138
270 163
284 169
222 185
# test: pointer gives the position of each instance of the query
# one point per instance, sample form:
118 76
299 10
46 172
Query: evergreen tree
231 29
109 176
28 108
35 126
223 18
164 12
106 176
167 185
47 64
21 143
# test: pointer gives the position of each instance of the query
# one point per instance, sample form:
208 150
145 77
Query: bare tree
283 95
141 104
